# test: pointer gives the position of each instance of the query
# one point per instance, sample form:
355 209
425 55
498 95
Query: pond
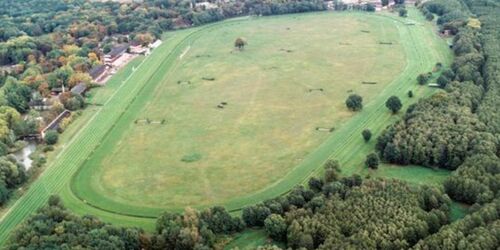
22 156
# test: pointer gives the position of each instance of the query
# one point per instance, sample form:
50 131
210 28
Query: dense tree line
345 213
86 23
478 230
483 171
351 213
12 174
193 229
330 213
54 227
458 129
436 132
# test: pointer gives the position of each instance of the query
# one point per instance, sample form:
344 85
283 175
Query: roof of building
54 124
118 50
79 89
96 71
40 102
56 89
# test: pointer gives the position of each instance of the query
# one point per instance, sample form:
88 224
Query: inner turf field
203 154
262 143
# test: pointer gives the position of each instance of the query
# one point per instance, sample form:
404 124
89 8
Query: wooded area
458 129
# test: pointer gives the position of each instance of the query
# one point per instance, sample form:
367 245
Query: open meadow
178 148
158 140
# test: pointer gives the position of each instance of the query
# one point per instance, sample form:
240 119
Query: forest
456 129
459 129
358 213
330 213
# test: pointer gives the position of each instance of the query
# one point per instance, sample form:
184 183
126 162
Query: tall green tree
372 161
354 102
275 227
367 134
394 104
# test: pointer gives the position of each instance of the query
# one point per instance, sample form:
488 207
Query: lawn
262 143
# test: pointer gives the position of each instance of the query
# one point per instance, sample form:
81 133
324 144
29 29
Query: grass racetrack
205 155
263 142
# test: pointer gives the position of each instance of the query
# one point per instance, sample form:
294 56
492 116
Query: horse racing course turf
198 123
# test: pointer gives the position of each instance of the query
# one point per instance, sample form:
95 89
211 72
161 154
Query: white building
155 44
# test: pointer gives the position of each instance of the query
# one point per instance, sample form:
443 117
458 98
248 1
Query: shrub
255 215
65 122
3 149
75 102
51 137
191 157
367 134
48 148
448 73
443 81
39 161
276 227
240 43
423 78
370 7
315 184
354 102
403 12
429 16
4 193
394 104
372 161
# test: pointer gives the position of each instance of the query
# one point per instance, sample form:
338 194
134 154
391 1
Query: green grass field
259 146
204 155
